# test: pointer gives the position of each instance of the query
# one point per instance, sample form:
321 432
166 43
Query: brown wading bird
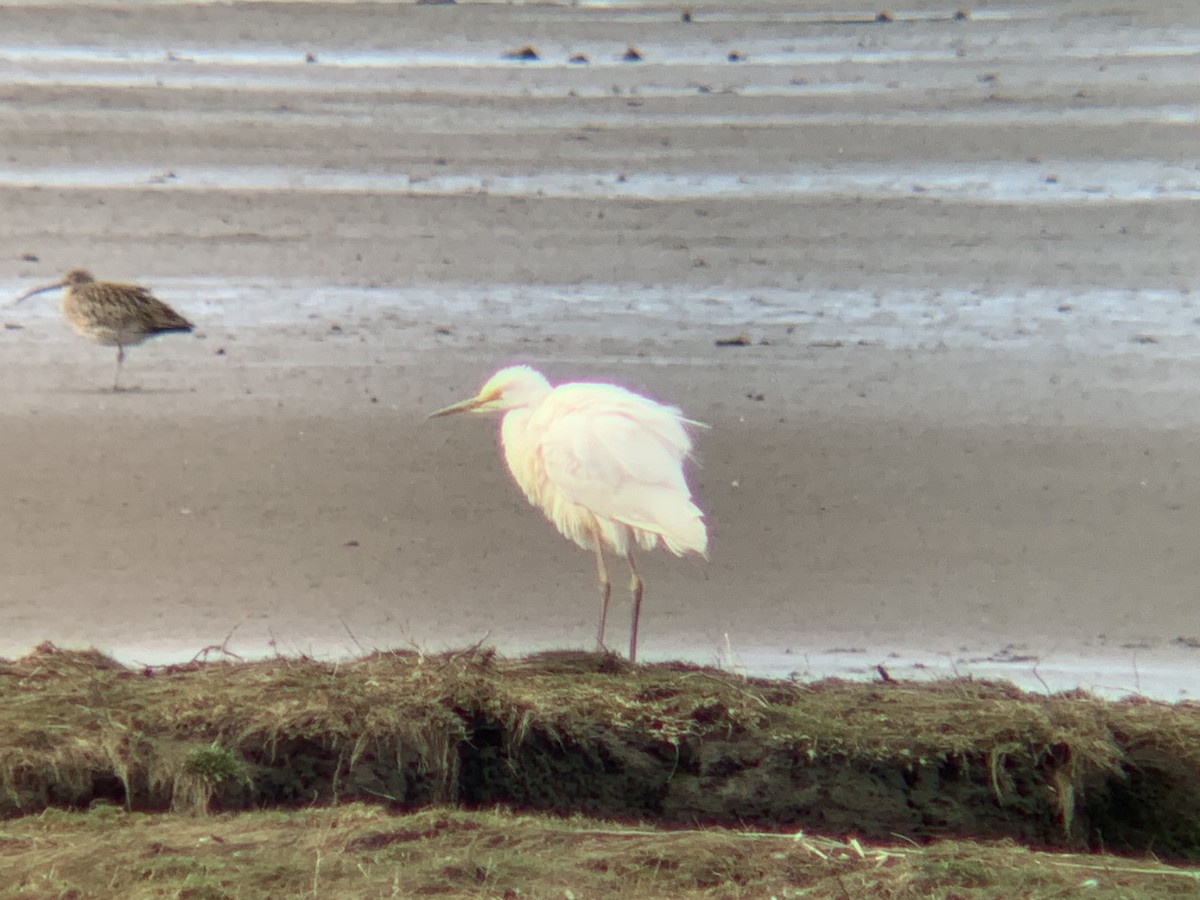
110 313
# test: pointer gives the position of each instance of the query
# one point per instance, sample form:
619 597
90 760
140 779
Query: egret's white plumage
603 463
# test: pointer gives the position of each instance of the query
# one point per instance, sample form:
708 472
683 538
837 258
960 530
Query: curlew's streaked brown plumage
110 313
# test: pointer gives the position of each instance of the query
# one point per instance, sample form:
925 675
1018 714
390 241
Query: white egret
604 464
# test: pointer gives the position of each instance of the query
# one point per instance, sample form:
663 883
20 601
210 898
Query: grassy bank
586 734
359 850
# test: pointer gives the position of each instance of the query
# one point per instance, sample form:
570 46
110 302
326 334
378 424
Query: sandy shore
963 436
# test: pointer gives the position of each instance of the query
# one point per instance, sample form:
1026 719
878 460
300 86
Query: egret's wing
620 457
605 438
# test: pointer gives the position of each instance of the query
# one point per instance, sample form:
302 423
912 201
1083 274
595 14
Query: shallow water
1042 183
779 53
1076 320
1163 673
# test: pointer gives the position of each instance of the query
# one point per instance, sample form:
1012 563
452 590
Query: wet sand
962 438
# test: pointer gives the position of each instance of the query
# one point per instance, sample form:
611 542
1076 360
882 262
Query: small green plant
214 764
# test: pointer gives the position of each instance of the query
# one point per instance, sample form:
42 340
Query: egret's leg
635 587
605 590
120 359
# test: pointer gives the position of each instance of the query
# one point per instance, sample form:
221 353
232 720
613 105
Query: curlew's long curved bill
40 290
461 406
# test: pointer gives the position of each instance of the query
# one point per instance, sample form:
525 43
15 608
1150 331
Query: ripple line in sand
1043 183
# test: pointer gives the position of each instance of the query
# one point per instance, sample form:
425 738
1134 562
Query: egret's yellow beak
462 406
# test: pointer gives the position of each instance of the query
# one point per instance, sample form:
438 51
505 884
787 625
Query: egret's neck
514 430
519 455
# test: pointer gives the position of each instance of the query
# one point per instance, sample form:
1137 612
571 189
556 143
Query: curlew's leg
120 359
635 587
605 590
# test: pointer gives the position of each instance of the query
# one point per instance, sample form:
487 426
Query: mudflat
959 434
